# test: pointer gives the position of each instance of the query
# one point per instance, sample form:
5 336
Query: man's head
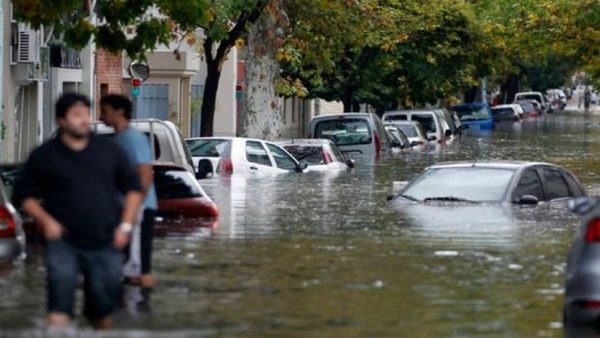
73 115
115 109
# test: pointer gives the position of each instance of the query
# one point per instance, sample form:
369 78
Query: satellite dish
139 70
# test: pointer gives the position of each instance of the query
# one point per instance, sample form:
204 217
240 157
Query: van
436 127
168 143
536 96
357 135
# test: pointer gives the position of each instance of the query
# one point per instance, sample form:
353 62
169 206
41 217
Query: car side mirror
432 138
448 133
582 205
414 143
390 198
528 200
205 168
350 163
396 144
301 166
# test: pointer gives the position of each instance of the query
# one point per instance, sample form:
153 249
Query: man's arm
146 177
52 228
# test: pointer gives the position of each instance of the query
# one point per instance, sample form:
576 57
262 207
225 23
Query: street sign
135 91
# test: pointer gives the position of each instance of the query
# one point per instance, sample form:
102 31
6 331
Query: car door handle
253 168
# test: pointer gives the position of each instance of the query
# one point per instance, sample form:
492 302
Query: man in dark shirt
70 186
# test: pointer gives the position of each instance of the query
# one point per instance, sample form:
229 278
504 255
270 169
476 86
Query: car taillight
7 223
377 144
326 158
225 167
592 233
588 304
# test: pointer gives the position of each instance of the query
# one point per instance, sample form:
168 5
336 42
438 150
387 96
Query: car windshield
206 147
473 113
426 120
533 97
311 154
473 184
409 130
345 132
173 184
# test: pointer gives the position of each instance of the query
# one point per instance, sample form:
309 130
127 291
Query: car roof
489 164
529 93
410 111
342 116
305 141
502 106
208 138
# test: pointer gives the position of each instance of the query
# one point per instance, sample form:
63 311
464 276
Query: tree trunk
348 99
510 88
471 94
213 74
263 116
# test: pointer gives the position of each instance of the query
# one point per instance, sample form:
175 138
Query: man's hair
67 101
118 102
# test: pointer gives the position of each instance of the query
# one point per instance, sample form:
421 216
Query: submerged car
318 154
12 234
206 153
507 112
498 182
477 117
183 206
417 136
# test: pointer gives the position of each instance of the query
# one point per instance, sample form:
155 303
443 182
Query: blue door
153 102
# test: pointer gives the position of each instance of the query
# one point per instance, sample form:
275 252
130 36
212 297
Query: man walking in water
116 112
69 185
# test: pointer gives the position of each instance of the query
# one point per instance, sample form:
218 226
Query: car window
575 187
338 154
206 148
408 129
470 183
396 118
311 154
172 184
256 153
556 187
529 184
343 132
426 120
283 160
473 113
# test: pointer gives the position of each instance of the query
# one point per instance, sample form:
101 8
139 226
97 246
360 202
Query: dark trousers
146 238
101 270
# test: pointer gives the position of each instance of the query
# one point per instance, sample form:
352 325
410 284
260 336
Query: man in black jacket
70 186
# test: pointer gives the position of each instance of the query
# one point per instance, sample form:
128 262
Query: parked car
206 153
449 122
399 141
558 96
168 145
529 109
358 135
183 206
431 121
318 154
535 96
417 136
242 156
507 112
12 234
476 116
497 182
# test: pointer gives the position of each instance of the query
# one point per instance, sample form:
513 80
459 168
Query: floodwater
317 255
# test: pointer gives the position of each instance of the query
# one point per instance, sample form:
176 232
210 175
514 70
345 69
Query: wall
109 74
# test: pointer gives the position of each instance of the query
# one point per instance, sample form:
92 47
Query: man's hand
121 239
53 230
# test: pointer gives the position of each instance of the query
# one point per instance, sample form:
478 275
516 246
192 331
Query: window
173 184
576 190
206 147
283 160
344 132
256 153
426 121
556 187
396 118
312 155
338 154
473 113
408 129
529 184
471 183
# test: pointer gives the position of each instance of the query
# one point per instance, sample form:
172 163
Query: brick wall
109 74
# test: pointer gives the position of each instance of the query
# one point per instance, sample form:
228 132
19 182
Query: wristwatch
126 227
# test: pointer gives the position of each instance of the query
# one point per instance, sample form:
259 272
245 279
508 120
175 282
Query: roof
488 164
305 141
528 93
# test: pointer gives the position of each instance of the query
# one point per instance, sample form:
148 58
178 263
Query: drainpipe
2 78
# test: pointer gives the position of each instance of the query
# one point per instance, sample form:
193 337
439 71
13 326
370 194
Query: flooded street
319 255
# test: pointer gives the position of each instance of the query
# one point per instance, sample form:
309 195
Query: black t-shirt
79 188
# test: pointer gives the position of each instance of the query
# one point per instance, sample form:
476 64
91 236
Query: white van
535 96
357 135
437 128
168 144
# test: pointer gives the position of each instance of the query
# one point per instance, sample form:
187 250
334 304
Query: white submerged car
318 154
242 156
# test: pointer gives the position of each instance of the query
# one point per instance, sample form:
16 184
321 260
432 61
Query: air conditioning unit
26 47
